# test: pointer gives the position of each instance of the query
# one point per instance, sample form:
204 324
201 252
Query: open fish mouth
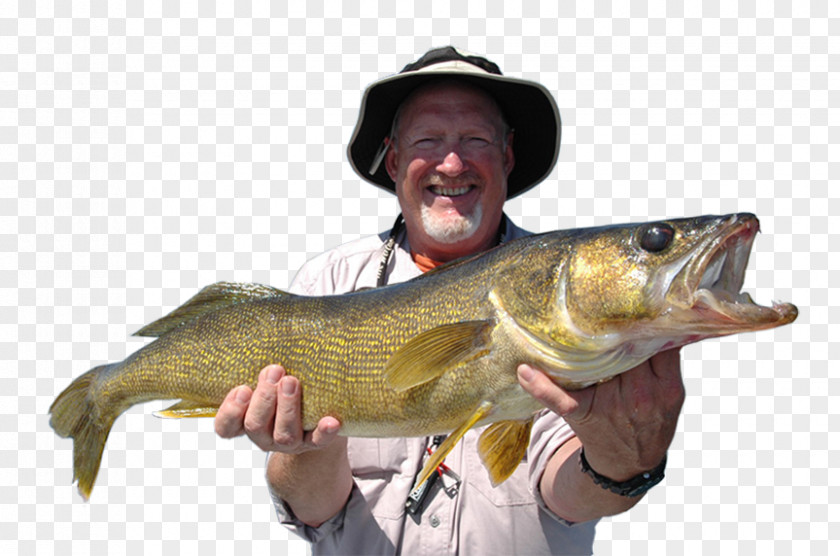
713 280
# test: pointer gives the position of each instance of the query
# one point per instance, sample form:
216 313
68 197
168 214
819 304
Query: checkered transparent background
150 148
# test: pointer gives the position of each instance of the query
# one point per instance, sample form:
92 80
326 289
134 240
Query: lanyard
388 248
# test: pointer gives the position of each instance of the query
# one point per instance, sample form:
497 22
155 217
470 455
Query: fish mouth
712 282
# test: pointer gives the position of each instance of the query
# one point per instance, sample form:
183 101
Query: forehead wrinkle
495 117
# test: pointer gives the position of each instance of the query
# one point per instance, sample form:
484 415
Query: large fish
439 353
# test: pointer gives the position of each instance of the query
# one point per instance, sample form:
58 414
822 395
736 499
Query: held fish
439 353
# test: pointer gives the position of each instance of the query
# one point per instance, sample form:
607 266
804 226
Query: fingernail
274 375
289 387
526 373
243 396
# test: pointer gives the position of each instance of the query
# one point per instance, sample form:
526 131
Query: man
454 139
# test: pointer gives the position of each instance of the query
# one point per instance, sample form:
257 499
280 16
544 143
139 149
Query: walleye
439 353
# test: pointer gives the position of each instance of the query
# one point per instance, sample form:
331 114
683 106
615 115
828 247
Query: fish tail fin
75 415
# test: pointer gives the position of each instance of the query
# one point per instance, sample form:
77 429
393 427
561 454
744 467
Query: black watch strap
635 486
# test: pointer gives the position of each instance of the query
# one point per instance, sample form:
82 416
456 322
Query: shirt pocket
384 471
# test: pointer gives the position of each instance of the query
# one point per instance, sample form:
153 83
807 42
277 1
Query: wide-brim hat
527 106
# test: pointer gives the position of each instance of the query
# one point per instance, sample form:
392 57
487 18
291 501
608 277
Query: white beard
451 230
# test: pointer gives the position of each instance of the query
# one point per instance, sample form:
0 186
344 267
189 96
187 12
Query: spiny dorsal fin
209 299
429 354
502 446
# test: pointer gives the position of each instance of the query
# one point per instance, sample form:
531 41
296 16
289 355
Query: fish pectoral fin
443 450
209 299
502 446
428 355
186 409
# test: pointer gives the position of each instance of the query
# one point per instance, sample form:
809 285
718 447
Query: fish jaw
705 297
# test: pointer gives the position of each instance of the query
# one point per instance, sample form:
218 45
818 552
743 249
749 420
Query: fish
438 354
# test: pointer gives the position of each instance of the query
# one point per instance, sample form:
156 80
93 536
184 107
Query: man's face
450 165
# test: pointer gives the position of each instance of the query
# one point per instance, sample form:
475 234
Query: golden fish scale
337 346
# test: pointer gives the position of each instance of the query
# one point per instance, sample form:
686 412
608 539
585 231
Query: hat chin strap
380 156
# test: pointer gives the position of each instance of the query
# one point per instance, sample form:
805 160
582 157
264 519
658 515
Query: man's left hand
625 424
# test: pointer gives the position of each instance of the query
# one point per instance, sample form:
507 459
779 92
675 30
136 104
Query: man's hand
625 424
270 415
309 470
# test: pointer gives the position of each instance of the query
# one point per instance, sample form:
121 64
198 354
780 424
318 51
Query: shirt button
434 521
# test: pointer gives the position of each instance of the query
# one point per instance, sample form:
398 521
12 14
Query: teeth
450 192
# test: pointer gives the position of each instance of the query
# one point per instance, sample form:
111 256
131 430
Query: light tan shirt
469 518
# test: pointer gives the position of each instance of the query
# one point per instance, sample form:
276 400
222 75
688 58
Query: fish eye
656 237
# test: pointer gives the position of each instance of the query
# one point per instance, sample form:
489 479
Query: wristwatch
635 486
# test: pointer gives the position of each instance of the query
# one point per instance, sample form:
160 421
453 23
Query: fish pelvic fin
502 446
428 355
75 415
211 298
443 450
186 409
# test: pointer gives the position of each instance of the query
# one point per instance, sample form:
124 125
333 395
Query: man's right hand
270 415
309 470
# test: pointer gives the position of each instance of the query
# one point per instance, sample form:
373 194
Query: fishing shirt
469 516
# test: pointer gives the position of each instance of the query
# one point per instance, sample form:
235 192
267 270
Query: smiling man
454 139
450 156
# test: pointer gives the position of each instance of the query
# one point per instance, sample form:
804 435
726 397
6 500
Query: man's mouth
450 191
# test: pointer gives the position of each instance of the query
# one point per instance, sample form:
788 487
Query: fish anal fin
441 452
186 410
428 355
502 446
209 299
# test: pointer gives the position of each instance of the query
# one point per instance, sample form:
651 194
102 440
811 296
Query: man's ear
391 159
508 154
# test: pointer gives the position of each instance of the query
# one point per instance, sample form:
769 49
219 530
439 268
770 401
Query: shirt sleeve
550 431
328 529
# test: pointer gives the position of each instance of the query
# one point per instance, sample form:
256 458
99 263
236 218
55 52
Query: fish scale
438 353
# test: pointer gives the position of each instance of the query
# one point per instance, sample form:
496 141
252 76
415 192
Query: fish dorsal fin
502 446
428 355
209 299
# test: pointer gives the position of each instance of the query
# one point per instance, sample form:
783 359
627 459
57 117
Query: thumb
555 398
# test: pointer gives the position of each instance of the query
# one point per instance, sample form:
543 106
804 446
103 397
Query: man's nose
451 165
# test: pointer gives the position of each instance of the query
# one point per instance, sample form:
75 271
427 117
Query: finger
288 431
549 394
259 419
325 433
231 414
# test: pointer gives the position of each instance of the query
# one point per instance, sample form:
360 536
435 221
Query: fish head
678 281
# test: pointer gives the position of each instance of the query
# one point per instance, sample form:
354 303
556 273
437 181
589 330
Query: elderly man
462 140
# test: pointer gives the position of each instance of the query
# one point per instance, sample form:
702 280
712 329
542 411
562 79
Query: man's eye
425 143
477 141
